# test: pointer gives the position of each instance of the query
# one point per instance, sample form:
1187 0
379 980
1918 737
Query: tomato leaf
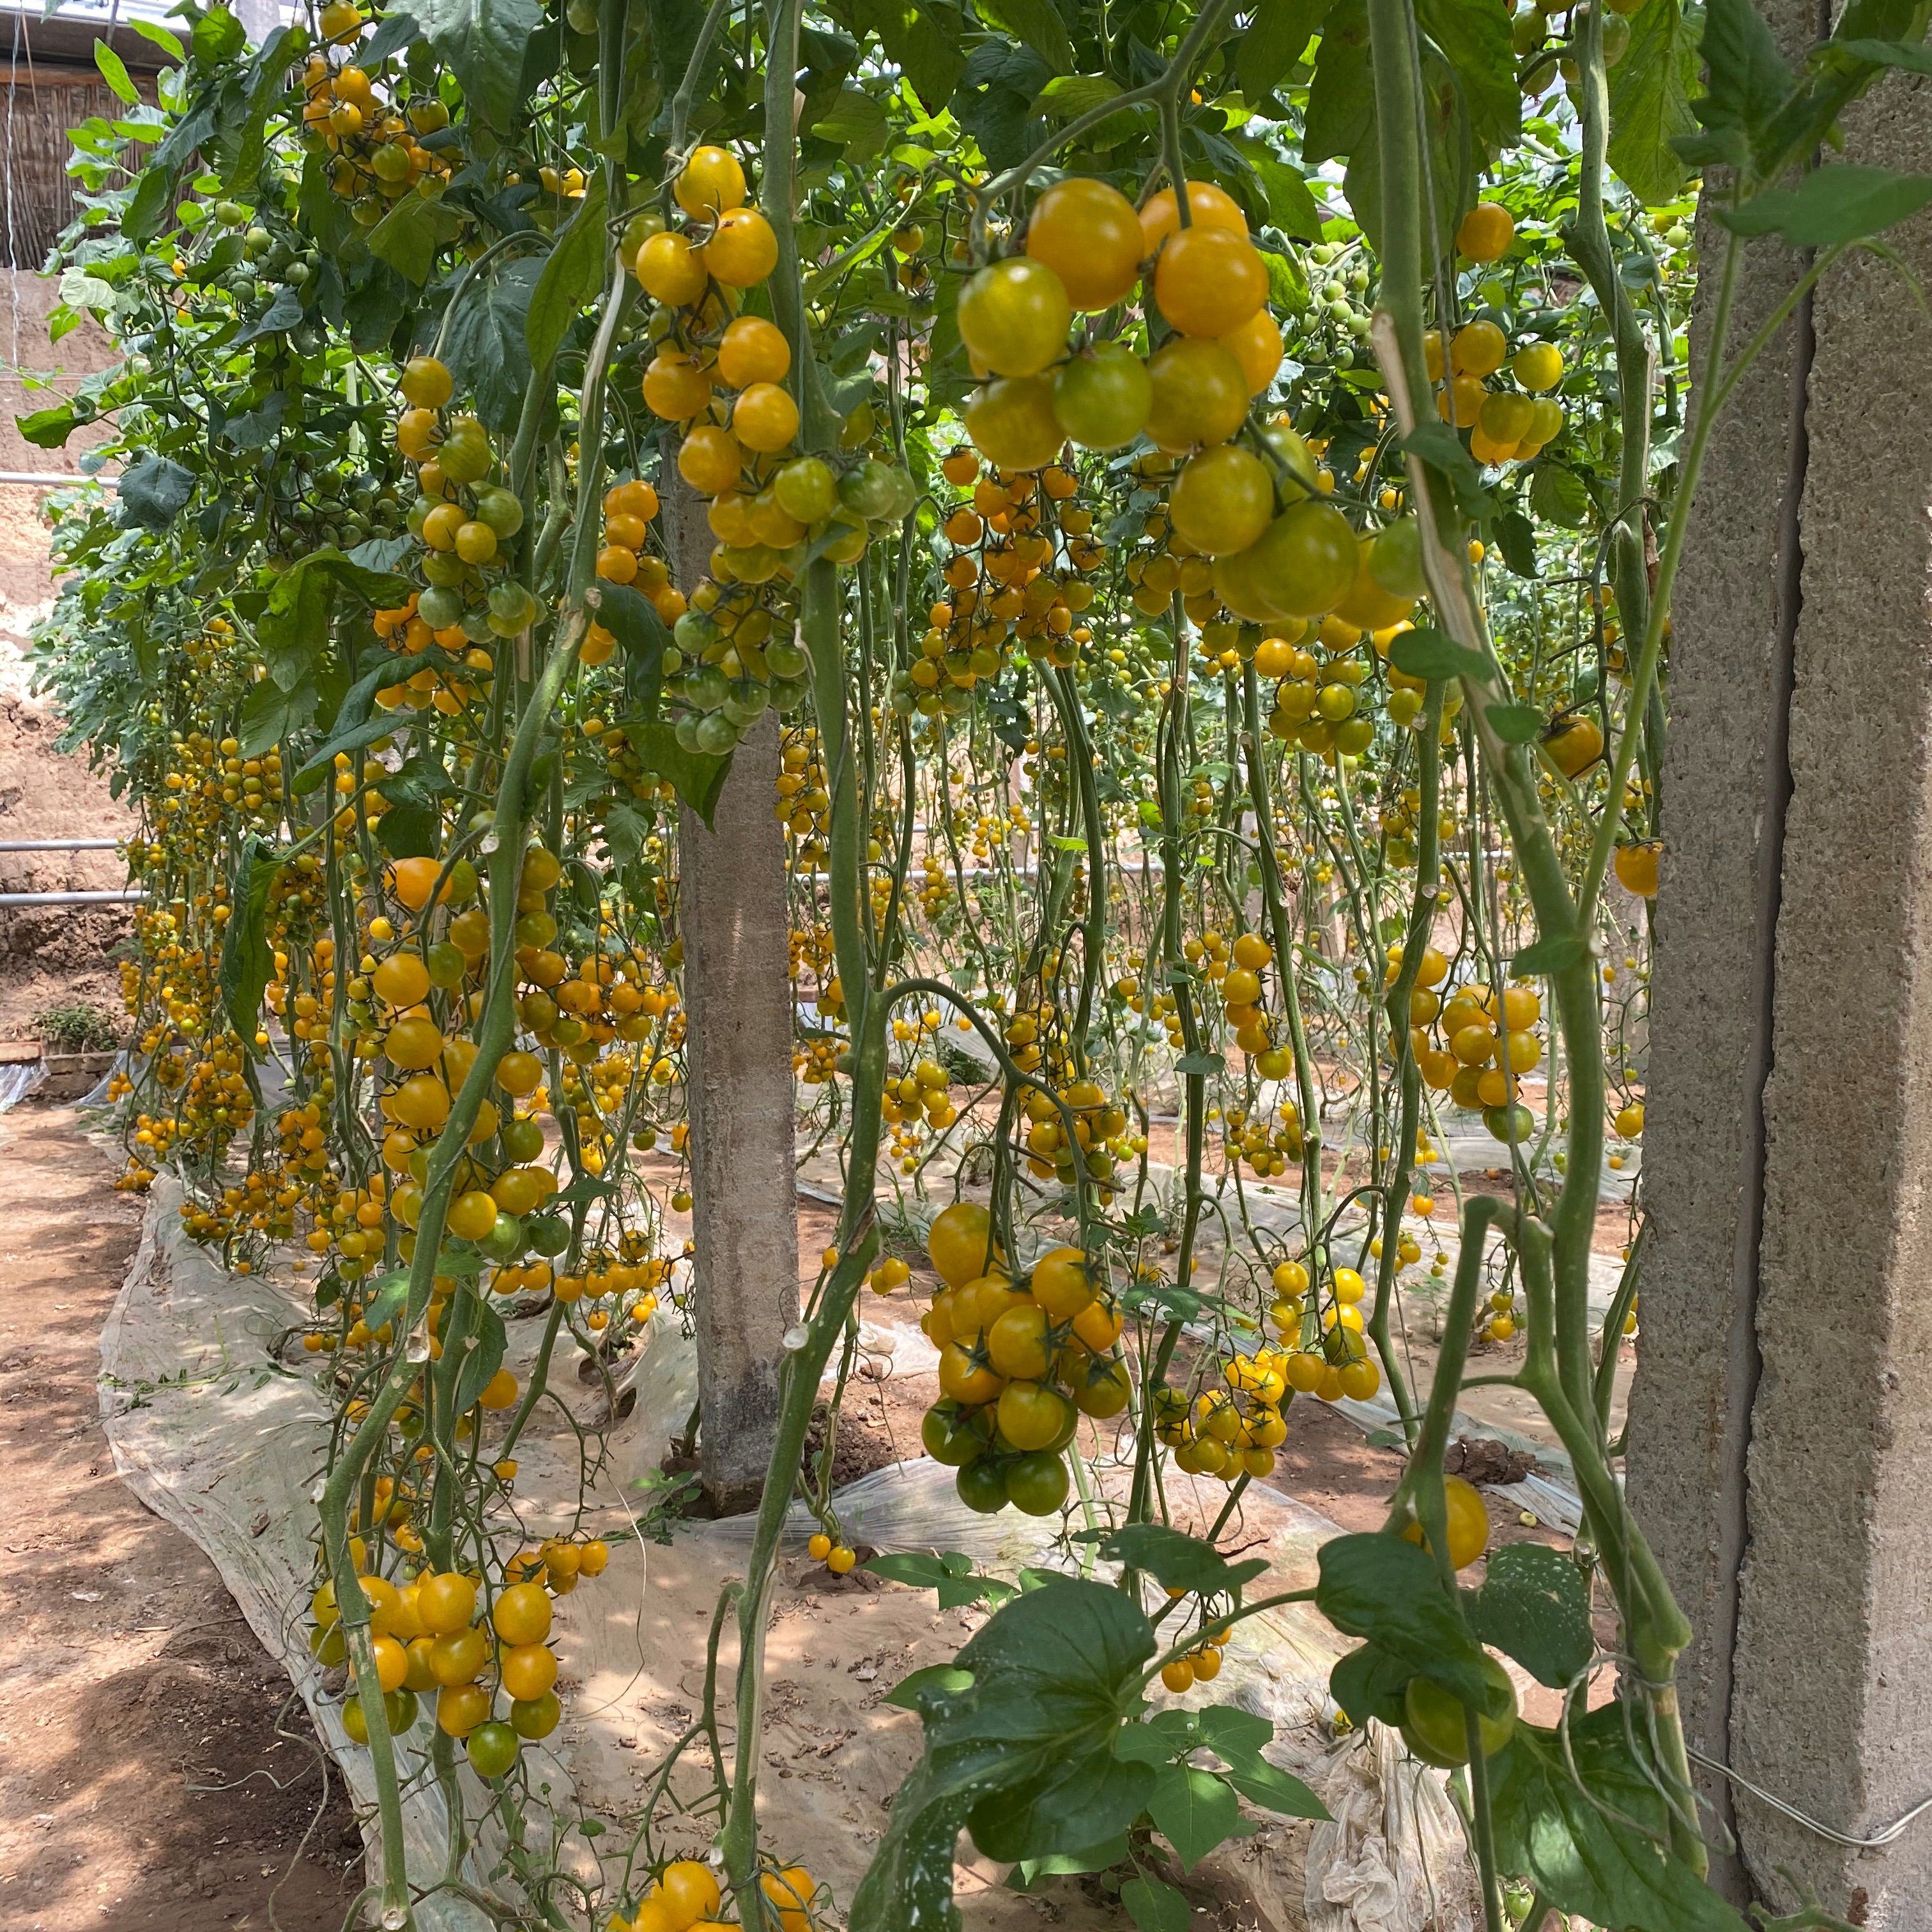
697 777
482 41
1545 956
1427 652
1154 1906
483 1357
409 236
486 343
571 274
114 71
1534 1606
951 1576
1273 1789
1177 1561
49 429
1650 102
1442 448
1831 206
946 1678
1515 537
1474 36
1035 22
247 960
1368 1683
1388 1589
1195 1810
1747 83
1513 724
923 41
1275 37
1572 1838
154 492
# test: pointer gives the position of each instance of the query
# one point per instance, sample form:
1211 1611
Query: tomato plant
1187 485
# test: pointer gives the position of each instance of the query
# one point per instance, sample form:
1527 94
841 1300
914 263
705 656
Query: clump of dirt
1482 1459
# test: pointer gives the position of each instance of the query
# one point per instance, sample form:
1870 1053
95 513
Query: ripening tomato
1103 1387
948 1436
959 1242
1469 1522
1486 233
671 270
710 183
689 1893
1574 743
1013 316
491 1748
742 250
1477 348
766 418
1017 1341
710 459
536 1717
1435 1721
753 350
1207 207
1200 395
1637 867
1032 1414
1102 397
964 1379
1060 1283
1088 233
1011 422
1368 604
1305 562
675 387
1037 1483
529 1669
427 384
521 1614
1256 345
1209 280
1538 365
1222 500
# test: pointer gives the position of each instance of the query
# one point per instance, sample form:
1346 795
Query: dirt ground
154 1772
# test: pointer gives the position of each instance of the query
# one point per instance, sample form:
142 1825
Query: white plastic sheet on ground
225 1437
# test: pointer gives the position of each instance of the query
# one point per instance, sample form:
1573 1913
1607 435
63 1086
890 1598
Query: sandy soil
155 1770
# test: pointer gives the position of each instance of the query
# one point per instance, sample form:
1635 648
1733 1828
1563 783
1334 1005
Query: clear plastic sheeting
19 1080
215 1420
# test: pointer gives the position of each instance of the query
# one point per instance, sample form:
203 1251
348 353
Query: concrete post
1782 1412
736 929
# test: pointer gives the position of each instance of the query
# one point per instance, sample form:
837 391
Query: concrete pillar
736 929
1782 1412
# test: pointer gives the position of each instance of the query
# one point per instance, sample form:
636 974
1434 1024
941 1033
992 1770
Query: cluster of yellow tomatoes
376 155
687 1898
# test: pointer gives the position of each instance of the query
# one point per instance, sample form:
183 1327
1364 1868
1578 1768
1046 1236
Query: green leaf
1037 24
697 777
281 315
905 1694
1574 1841
1195 1810
483 1357
856 121
247 960
268 76
1556 954
571 274
1914 56
1534 1606
218 36
1205 1064
1558 496
1234 1733
1442 448
408 237
49 429
1099 1858
269 713
923 40
293 629
1276 37
1513 724
1175 1560
384 1298
1474 36
114 71
1831 205
152 30
1650 102
1427 652
1341 98
1387 1589
1274 1789
1747 82
410 831
154 492
486 343
951 1575
1368 1683
1154 1906
1515 537
482 41
1291 204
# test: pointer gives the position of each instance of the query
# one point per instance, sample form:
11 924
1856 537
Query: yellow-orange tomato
528 1670
1207 207
1088 233
402 979
411 880
1060 1283
446 1602
460 1708
742 250
958 1241
766 418
519 1072
689 1893
1256 345
710 183
1486 233
709 459
753 350
1469 1522
1637 867
1013 316
675 387
521 1614
1209 280
671 270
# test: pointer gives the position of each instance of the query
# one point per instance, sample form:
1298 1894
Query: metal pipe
59 844
70 899
53 482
